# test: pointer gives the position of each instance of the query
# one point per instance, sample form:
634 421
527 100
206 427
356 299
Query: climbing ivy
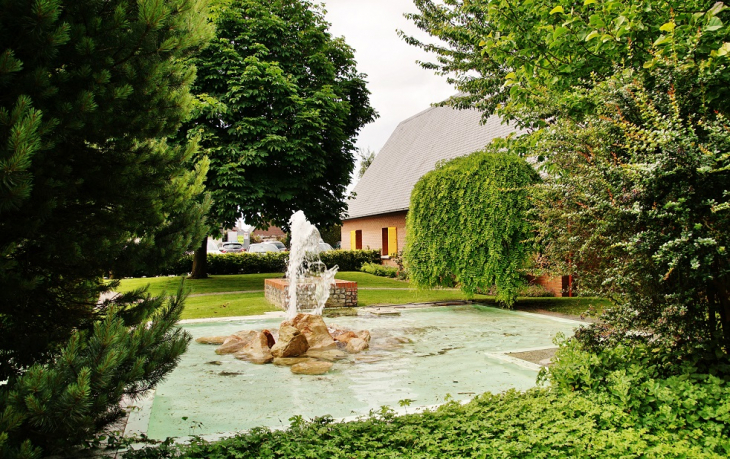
467 224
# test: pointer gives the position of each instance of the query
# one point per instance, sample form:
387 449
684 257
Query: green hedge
379 270
251 263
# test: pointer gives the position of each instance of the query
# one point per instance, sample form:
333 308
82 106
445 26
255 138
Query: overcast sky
399 87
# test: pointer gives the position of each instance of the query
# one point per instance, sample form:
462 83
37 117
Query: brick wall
559 285
372 231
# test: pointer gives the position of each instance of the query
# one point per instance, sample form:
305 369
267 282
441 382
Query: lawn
227 305
374 290
213 284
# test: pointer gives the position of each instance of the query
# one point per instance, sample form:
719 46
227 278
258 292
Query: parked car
213 248
279 245
232 247
262 247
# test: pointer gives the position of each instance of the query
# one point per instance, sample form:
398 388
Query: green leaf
668 27
557 9
589 2
713 24
716 8
560 32
724 49
663 39
592 35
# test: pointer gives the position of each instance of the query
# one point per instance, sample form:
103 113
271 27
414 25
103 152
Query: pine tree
89 89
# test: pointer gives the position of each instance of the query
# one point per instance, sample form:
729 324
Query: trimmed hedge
252 263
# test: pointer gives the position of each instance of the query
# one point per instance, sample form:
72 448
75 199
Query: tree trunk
200 261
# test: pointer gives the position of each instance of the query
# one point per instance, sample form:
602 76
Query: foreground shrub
54 407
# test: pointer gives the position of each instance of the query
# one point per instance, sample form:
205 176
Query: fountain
303 341
305 267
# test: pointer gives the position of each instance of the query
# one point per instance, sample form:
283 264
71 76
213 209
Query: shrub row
251 263
377 269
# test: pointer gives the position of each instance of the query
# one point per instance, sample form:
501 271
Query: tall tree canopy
524 59
281 103
87 188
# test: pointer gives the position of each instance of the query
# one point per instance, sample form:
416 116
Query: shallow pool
423 355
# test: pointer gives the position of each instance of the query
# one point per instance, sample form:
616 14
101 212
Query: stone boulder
211 340
314 328
356 345
344 336
235 343
329 355
313 367
269 337
256 351
292 342
289 361
364 335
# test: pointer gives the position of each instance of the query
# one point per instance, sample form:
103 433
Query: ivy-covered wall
468 224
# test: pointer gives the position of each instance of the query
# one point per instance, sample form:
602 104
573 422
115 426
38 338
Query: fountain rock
269 337
292 342
314 328
211 340
356 345
364 335
329 355
235 343
257 350
313 367
344 336
289 361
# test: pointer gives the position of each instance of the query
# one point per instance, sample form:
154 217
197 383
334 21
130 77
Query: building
376 216
272 232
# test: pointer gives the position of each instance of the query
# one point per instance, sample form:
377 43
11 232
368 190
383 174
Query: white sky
399 87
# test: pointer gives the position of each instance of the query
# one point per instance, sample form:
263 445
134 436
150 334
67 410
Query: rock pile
304 343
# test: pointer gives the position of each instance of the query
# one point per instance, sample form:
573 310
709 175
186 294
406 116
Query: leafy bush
467 223
377 269
272 262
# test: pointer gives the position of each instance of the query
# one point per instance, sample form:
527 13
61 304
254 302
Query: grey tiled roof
413 149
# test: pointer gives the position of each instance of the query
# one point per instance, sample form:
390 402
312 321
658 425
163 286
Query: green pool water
423 355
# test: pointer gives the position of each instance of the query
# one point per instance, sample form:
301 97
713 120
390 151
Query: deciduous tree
281 103
524 60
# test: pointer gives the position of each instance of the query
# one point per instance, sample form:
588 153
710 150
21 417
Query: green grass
399 292
213 284
371 297
371 281
237 304
572 306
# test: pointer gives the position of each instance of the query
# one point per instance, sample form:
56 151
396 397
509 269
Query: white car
279 245
262 247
